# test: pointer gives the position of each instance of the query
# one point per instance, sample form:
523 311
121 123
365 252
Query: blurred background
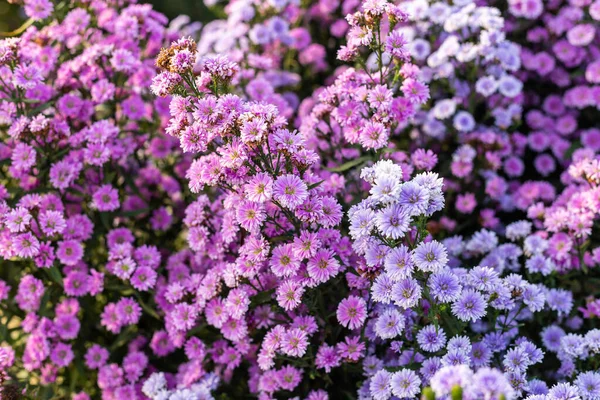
11 15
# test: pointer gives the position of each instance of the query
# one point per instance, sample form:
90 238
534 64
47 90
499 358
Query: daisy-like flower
393 221
431 338
430 256
18 219
294 342
322 266
470 306
398 263
284 262
352 312
444 286
290 191
379 386
374 135
26 245
405 384
289 294
413 198
390 324
251 215
406 293
106 198
260 188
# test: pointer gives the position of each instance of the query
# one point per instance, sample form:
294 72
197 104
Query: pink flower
352 312
290 191
106 198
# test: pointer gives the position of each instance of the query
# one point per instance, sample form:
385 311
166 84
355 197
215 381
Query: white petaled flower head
444 109
154 384
416 9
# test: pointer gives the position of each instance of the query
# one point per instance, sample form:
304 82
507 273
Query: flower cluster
310 200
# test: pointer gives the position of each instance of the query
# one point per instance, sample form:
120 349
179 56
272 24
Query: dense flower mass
307 200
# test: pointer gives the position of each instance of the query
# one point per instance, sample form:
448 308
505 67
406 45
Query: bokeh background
11 15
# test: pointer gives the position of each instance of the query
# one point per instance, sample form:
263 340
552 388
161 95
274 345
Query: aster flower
352 312
106 198
405 383
444 286
430 256
380 385
414 198
290 191
406 293
399 263
470 306
390 324
393 222
431 339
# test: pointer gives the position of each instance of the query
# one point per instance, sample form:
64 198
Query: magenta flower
290 191
352 312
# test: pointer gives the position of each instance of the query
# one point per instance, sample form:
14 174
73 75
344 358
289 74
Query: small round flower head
322 266
405 384
69 252
444 286
448 377
470 306
290 191
406 293
430 256
431 338
483 278
294 342
106 198
352 312
385 189
564 391
489 383
516 360
18 219
284 262
289 294
463 122
589 385
389 324
399 263
96 356
260 188
460 343
62 354
414 198
393 222
379 386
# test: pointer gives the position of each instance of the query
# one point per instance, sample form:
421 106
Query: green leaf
314 185
349 164
55 274
262 297
146 307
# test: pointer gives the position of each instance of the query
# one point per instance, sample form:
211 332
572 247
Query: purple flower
430 256
352 312
406 293
405 384
379 386
290 191
389 324
393 222
399 263
431 338
470 306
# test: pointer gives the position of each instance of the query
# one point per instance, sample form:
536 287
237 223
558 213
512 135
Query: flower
352 312
290 191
